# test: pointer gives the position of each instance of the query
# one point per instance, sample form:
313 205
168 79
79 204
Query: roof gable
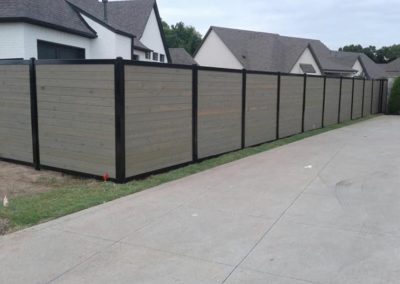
127 16
272 52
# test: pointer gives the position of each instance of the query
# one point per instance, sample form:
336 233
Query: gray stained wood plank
158 118
77 117
15 116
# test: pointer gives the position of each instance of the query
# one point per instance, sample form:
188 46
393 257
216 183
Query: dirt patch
19 180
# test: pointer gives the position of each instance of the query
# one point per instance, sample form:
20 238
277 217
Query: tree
394 101
382 55
392 52
369 51
183 36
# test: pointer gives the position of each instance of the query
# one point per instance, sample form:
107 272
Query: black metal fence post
352 100
244 86
323 104
195 99
278 105
303 115
119 77
34 114
363 98
340 99
381 96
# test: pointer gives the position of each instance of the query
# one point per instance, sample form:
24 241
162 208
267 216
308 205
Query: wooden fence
129 119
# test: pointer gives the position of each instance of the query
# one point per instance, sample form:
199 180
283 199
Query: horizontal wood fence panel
376 97
291 105
158 125
345 108
219 112
76 115
331 101
358 98
261 108
314 103
15 113
367 97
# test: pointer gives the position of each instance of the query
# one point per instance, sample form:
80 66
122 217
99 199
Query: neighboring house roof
392 68
181 56
52 13
125 17
273 52
371 69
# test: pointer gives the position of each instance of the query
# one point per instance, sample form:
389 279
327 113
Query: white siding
306 58
215 53
152 38
142 56
108 44
357 66
33 33
11 40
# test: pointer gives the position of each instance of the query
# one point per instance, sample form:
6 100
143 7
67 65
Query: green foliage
383 55
183 36
394 102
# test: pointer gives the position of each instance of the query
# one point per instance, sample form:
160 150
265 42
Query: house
82 29
238 49
181 56
360 62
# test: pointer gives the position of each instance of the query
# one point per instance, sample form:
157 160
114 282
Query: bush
394 101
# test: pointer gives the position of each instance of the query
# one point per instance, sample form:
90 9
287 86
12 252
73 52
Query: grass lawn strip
28 210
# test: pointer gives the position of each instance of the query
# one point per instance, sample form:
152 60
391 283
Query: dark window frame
54 44
155 56
162 58
148 54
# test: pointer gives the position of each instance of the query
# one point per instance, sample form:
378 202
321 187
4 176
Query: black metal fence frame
119 78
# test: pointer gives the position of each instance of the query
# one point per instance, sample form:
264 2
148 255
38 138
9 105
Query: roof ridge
243 30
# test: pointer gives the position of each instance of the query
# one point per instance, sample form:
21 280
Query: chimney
105 2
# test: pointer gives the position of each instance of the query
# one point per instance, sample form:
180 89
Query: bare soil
17 180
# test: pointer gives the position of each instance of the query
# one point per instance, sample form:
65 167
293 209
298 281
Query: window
148 53
49 50
155 56
162 58
136 57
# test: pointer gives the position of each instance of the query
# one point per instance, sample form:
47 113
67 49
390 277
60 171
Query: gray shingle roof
392 68
372 69
273 52
181 56
52 12
126 16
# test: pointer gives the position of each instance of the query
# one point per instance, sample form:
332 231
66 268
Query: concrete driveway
322 210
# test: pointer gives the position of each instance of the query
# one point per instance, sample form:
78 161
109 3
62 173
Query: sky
335 22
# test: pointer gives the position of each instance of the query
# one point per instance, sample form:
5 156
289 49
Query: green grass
64 199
